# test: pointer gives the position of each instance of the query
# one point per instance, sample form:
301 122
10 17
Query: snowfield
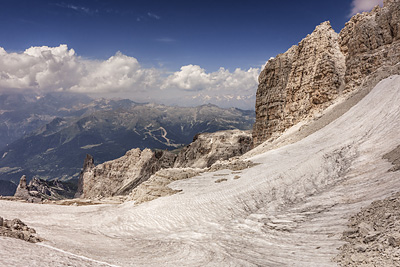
289 210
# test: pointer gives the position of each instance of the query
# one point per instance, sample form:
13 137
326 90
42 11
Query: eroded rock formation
157 185
373 236
207 148
17 229
305 79
120 176
371 41
88 164
38 190
22 189
295 83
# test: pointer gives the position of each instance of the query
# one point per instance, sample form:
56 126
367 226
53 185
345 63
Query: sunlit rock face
308 77
120 176
297 82
371 41
207 148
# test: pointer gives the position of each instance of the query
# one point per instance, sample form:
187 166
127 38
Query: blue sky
162 38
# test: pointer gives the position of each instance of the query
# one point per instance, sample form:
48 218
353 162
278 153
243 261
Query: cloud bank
364 5
46 69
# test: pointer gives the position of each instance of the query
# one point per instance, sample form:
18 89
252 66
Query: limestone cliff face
133 170
299 81
307 77
371 41
207 148
120 176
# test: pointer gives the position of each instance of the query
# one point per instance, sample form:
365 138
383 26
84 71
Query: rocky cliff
88 165
308 77
371 41
121 176
38 190
207 148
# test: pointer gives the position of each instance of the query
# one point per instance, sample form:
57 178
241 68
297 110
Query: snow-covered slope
289 210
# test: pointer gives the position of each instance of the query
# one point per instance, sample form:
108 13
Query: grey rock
38 190
17 229
208 148
88 164
22 189
310 76
120 176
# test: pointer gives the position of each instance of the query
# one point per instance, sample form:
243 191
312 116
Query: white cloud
41 68
154 16
46 69
76 8
222 87
364 5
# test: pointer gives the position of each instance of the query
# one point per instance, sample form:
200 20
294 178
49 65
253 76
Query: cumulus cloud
364 5
221 87
46 69
42 68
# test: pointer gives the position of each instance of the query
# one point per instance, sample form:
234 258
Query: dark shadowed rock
38 190
88 164
394 157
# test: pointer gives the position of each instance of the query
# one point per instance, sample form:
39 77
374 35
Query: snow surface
289 210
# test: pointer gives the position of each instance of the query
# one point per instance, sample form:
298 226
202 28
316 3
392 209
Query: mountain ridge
60 146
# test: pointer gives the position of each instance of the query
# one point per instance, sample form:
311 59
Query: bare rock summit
296 83
309 76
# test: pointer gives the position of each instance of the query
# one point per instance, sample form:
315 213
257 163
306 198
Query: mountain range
103 128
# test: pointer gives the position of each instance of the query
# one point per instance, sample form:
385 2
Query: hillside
57 149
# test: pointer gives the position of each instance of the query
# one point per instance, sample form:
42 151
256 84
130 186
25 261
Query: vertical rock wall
120 176
370 41
307 77
299 81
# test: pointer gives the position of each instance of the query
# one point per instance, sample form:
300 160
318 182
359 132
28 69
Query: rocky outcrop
296 83
157 185
132 171
371 41
38 190
17 229
22 189
394 157
308 77
88 164
207 148
120 176
373 236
